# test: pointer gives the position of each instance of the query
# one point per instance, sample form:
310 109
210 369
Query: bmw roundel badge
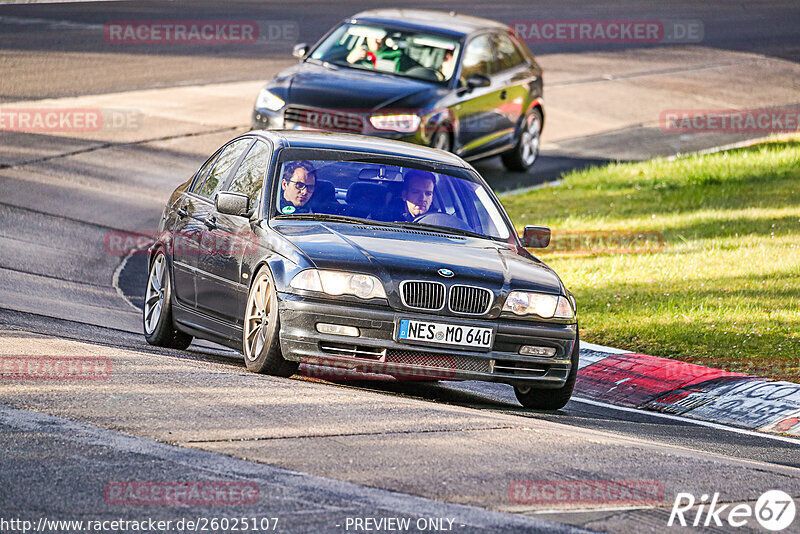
447 273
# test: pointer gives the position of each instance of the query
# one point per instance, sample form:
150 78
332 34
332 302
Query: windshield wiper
440 229
373 222
325 64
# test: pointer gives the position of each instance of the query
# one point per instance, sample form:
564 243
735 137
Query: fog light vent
530 350
338 329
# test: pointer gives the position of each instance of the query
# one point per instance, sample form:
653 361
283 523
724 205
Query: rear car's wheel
525 153
261 343
441 139
551 399
159 328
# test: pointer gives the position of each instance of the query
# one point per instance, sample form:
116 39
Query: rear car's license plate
445 334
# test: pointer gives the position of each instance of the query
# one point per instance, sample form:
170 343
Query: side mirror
478 80
233 204
300 50
536 237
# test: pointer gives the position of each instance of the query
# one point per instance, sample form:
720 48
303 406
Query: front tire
551 399
261 343
441 139
159 327
524 155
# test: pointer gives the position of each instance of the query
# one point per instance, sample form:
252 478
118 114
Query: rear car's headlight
267 100
337 283
406 123
541 304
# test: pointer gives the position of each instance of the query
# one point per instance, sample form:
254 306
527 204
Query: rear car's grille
422 295
323 119
470 299
352 351
439 361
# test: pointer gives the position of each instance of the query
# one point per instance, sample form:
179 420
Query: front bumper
377 350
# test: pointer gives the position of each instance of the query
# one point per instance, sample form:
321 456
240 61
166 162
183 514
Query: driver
417 195
297 187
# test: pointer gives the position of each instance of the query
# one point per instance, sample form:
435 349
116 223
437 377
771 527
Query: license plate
445 334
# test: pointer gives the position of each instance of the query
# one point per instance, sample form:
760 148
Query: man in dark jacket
417 195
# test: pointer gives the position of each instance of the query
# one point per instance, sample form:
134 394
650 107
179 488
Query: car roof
360 143
435 21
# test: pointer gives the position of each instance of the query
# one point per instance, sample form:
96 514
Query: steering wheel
443 219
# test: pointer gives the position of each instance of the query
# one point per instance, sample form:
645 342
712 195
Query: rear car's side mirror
478 80
300 50
536 237
235 204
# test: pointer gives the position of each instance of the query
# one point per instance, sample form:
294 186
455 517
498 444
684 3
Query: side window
478 57
507 54
201 174
249 176
225 162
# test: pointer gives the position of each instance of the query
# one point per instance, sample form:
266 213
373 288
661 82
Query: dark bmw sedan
453 82
350 252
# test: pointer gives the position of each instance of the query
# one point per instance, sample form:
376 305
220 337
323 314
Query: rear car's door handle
503 94
211 223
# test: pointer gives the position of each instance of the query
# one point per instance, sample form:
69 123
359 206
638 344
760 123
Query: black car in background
454 82
344 251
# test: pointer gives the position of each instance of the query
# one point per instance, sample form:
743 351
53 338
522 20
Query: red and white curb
628 379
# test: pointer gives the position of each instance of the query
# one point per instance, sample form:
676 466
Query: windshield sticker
288 210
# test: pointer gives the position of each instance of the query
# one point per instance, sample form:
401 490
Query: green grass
723 291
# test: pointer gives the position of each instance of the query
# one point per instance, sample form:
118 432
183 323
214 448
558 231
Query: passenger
448 64
297 186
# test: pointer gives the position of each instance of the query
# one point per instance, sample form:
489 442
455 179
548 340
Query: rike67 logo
774 510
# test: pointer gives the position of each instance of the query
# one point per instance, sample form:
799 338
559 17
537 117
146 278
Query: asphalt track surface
321 452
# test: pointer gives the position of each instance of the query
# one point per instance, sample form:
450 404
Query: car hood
343 88
396 254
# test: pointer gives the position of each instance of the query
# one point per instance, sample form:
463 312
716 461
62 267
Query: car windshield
361 192
401 52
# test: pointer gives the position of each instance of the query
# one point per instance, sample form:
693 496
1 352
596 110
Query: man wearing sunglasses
297 186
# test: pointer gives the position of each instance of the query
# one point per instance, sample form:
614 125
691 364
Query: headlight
337 283
267 100
407 123
541 304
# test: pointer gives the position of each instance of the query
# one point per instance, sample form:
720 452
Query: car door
224 293
476 107
513 76
199 244
186 233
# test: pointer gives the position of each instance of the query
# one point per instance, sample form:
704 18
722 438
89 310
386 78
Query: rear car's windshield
366 190
402 52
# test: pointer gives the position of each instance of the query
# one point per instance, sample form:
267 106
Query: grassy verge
723 287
